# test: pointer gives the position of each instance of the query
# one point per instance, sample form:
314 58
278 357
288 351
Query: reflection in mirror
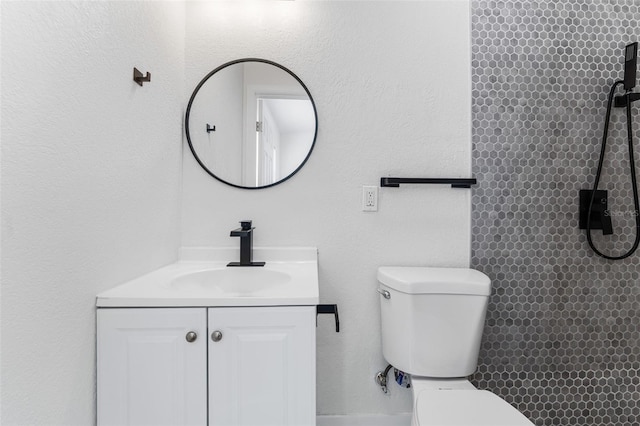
251 123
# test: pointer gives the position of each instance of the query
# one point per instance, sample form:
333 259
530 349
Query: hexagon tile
562 337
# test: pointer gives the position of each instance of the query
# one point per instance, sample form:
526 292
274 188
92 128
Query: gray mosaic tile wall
562 339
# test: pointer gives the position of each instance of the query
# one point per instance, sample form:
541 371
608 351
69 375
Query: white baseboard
360 420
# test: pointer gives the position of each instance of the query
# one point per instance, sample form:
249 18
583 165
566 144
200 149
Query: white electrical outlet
369 198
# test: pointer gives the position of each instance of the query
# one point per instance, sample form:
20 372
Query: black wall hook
210 128
139 78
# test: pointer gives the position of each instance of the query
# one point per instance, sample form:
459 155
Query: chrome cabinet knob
191 336
216 336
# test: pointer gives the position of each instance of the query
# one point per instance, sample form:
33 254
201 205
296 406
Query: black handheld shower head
629 82
630 65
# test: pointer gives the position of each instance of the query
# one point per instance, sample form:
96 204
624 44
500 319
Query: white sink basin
201 278
233 281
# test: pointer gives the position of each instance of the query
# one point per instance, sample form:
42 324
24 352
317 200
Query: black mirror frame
195 92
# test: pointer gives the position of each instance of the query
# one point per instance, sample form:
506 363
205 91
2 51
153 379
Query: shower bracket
623 100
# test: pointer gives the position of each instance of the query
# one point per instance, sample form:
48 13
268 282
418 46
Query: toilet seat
465 408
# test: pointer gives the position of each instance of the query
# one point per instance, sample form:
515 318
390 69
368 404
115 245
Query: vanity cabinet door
151 371
262 366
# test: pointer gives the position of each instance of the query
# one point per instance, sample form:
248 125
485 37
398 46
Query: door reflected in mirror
251 123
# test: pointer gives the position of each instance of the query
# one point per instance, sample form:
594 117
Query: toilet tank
432 319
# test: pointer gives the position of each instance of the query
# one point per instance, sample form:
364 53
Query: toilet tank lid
430 280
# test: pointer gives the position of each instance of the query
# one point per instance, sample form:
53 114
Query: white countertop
158 288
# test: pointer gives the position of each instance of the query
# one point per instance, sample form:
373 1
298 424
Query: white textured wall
90 185
391 81
90 171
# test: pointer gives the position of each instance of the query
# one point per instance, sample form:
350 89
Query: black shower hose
634 184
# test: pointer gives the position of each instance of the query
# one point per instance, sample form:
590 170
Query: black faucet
245 232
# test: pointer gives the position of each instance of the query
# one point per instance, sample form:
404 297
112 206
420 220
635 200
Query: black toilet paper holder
329 309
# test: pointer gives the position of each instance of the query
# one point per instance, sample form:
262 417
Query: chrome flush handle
384 293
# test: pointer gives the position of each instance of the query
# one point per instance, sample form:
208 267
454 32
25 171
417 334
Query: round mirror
251 123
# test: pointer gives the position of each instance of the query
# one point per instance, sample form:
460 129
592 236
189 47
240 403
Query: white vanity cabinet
147 372
206 366
262 370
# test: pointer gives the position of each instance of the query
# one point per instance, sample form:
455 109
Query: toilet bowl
432 322
459 403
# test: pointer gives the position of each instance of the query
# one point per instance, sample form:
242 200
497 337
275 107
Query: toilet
432 322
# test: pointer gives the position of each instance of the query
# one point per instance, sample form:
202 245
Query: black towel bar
395 182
